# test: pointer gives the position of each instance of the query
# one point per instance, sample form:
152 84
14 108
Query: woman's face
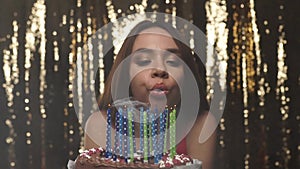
156 69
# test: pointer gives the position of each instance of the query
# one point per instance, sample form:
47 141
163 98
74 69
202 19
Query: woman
155 61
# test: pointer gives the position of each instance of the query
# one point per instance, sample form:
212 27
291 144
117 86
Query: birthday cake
157 149
95 159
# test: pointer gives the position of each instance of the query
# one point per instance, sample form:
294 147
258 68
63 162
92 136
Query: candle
166 119
173 132
121 131
130 129
145 137
133 132
141 129
108 133
161 134
155 136
116 146
126 147
152 134
149 146
133 137
150 130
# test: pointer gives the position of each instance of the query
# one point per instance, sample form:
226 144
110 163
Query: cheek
134 83
177 75
133 87
140 77
138 81
138 88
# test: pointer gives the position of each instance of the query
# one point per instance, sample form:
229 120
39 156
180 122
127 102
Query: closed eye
173 63
141 58
143 62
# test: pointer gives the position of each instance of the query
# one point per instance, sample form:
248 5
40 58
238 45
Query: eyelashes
145 59
167 62
173 62
143 62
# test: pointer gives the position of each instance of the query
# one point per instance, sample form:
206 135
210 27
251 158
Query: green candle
145 137
130 129
173 133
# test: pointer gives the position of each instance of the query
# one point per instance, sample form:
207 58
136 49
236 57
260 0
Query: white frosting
87 156
161 164
93 150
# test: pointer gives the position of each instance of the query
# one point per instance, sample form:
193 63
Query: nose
159 73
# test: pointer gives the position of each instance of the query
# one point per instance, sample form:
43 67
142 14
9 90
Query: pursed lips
159 89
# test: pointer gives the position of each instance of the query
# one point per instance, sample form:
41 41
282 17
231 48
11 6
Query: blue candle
133 134
149 133
150 129
116 144
166 116
108 133
126 154
141 129
121 132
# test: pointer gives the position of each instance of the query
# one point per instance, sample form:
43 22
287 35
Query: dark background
273 142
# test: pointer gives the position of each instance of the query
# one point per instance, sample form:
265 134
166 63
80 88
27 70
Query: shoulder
96 121
95 118
95 127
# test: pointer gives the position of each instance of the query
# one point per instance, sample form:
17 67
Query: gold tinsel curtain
256 42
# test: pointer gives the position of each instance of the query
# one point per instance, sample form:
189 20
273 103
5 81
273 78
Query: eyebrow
171 50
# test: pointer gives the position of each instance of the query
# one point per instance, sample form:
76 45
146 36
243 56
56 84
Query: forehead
156 31
154 38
